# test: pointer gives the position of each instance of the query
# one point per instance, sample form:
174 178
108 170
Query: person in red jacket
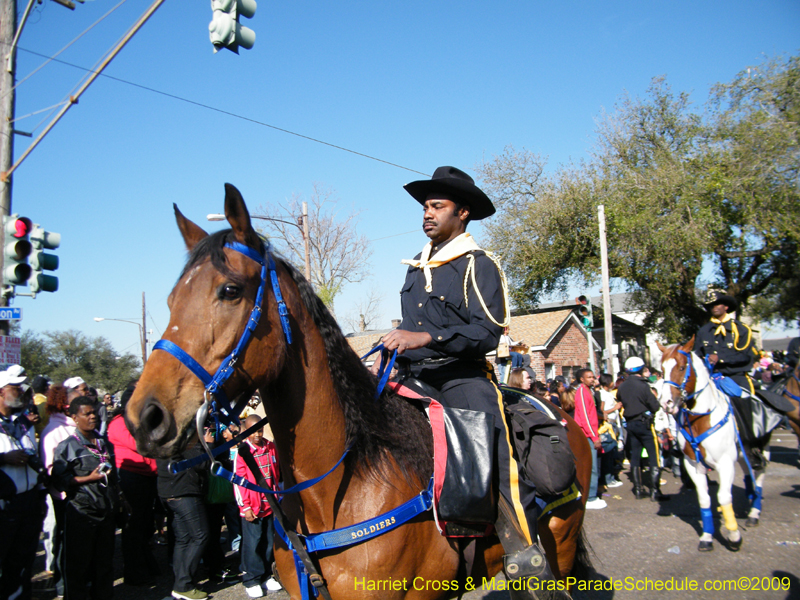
137 479
258 529
586 417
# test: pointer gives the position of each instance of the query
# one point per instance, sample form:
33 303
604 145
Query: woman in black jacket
83 467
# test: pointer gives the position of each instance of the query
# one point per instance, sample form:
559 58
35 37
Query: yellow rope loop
470 275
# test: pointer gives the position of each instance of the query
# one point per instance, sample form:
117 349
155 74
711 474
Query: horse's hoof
751 522
705 546
735 546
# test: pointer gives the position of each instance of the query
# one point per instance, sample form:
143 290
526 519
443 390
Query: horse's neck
708 396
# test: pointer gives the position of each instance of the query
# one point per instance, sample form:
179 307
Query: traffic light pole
8 25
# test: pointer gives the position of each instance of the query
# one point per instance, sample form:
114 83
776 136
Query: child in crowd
257 520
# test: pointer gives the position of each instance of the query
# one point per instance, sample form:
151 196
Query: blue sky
418 84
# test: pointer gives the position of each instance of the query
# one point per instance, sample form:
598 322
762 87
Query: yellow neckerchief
457 247
735 330
721 322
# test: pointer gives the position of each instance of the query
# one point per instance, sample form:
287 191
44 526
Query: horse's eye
229 291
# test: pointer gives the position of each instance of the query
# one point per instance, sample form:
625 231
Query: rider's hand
401 340
713 358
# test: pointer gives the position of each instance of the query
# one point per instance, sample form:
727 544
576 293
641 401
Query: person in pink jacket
258 529
586 417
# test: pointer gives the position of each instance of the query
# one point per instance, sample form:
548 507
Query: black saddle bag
541 442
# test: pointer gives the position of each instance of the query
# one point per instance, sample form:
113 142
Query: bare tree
337 253
365 313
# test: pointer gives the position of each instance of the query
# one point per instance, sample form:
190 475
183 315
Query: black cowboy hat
714 297
453 182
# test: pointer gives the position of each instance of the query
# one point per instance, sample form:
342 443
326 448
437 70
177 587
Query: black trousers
475 389
88 556
20 526
190 526
640 435
140 492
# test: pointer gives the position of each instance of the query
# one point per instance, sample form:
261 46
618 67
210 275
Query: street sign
10 313
10 350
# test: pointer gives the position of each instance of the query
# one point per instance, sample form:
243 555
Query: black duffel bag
542 447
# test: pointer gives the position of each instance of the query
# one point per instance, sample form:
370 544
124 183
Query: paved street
641 539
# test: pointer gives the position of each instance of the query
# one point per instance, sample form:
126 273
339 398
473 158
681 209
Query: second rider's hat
715 297
453 182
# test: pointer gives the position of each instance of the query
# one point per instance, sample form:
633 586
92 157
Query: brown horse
319 400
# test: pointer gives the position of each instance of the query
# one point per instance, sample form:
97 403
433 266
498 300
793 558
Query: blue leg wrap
757 499
708 520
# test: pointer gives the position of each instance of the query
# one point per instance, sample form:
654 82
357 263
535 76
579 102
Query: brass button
441 297
419 322
440 337
420 304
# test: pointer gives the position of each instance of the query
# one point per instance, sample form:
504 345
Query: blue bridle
214 395
682 386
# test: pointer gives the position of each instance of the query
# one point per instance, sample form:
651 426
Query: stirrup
529 562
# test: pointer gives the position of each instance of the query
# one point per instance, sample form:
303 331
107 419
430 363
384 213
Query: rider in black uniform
454 304
640 405
729 346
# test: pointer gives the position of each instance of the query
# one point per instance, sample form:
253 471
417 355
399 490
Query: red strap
436 416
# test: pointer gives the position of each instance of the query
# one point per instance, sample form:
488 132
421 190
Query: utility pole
8 26
144 333
609 334
305 240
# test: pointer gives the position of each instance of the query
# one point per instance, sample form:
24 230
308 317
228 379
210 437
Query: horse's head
210 307
680 378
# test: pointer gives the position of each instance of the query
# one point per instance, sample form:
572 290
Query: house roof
538 329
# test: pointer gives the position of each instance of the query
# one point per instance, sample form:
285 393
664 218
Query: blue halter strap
214 383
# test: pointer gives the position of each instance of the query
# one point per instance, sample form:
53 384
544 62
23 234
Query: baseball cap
11 377
73 382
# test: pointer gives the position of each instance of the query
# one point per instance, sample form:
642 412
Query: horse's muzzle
156 428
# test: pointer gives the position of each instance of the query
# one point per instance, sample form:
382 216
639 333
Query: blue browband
213 384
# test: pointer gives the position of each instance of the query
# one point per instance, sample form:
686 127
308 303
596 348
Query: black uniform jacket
459 329
636 397
736 353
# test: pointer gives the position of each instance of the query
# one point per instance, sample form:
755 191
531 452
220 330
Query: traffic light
17 248
225 30
585 311
41 261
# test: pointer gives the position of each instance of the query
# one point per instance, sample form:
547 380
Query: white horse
708 437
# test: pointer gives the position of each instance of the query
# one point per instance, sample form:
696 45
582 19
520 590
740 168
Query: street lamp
301 224
141 334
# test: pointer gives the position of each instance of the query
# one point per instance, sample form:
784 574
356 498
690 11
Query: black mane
376 430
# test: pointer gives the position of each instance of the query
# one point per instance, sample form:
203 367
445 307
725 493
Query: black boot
523 562
655 488
638 490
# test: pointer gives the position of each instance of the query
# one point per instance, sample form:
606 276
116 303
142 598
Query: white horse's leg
704 499
726 467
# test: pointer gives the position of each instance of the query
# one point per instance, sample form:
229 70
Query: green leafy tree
64 354
685 194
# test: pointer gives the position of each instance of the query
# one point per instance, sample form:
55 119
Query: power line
228 113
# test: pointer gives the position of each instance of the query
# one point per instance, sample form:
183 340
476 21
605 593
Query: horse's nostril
155 421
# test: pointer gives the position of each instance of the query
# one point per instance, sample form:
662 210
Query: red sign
10 350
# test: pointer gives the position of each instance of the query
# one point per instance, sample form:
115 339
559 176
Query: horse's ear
688 346
238 217
191 232
661 347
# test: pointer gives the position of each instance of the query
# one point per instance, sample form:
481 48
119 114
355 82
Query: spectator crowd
71 477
